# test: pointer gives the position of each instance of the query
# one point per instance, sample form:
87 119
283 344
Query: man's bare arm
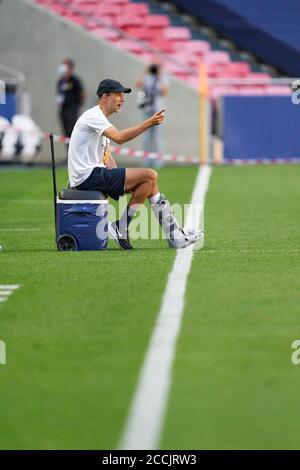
124 135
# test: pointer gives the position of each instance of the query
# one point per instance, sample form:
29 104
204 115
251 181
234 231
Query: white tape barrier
136 153
143 154
184 159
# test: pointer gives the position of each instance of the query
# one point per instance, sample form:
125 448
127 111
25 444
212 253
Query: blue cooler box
82 218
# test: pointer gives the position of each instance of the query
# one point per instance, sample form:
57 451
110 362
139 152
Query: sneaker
197 233
121 239
183 238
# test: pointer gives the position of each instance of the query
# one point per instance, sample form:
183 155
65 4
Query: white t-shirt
87 145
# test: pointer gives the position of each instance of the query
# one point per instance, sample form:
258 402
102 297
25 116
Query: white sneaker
192 232
183 238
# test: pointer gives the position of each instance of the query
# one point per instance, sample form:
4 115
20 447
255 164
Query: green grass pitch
77 329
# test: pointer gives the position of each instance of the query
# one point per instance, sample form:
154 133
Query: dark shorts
110 182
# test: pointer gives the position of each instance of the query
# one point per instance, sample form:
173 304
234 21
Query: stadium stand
269 29
144 31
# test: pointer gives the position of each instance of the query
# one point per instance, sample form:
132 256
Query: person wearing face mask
70 96
154 88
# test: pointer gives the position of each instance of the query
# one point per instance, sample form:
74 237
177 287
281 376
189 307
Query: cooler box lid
77 195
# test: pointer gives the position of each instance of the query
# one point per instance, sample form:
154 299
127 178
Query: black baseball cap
111 86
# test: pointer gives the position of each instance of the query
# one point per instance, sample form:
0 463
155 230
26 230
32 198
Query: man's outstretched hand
158 118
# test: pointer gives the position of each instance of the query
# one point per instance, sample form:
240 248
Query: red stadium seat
143 33
100 22
108 34
216 57
111 10
214 70
192 60
147 57
85 8
83 2
260 78
186 59
156 21
127 21
131 46
121 3
45 2
179 71
84 5
236 69
78 2
59 9
177 33
196 47
163 45
81 21
137 9
118 2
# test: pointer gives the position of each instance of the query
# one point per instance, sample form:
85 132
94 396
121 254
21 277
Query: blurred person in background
154 88
70 96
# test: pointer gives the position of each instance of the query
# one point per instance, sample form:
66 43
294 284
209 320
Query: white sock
154 199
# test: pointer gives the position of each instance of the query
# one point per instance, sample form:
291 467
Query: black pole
54 181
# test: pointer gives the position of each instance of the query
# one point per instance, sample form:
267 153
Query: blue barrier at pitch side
9 108
261 127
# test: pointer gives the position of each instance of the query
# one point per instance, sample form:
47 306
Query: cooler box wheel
66 243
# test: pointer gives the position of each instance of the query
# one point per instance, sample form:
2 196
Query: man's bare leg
136 176
140 182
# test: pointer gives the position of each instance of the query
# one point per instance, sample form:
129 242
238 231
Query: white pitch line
147 411
28 201
21 229
9 286
254 251
6 290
